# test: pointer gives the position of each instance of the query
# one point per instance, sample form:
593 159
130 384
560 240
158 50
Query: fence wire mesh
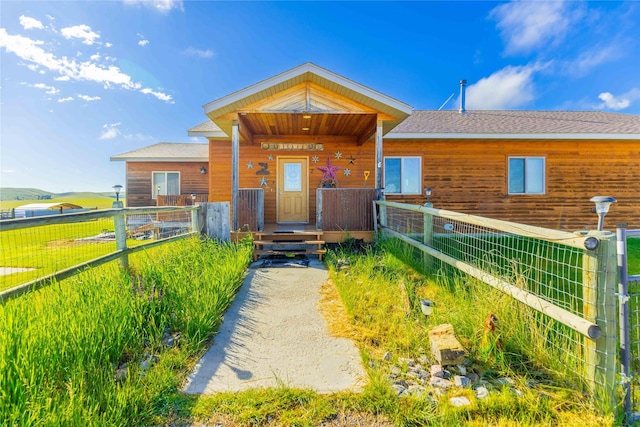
34 248
634 323
557 273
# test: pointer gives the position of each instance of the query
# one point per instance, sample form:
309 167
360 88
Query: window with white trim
526 175
165 184
403 175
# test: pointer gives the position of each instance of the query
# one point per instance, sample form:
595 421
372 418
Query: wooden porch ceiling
268 125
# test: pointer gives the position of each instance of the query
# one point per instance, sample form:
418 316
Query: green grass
60 347
84 199
633 254
50 248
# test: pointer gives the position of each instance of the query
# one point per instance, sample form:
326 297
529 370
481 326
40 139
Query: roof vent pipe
463 84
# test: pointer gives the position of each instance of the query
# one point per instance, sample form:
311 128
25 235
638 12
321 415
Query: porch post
235 172
379 158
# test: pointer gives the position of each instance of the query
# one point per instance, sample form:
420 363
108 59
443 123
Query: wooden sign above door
305 146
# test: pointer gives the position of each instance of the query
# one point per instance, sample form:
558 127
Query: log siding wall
139 180
470 176
220 151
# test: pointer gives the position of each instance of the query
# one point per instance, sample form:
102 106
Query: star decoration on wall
250 165
263 182
338 155
329 170
347 171
270 156
315 159
352 160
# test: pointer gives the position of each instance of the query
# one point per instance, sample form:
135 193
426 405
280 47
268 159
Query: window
403 175
526 175
165 184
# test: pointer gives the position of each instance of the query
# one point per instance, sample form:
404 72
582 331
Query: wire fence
629 292
565 291
36 250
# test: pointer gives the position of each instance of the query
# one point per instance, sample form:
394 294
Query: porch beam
235 172
368 133
379 155
245 131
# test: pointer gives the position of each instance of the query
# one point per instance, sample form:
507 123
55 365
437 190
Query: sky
81 81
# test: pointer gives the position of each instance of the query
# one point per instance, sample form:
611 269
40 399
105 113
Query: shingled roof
167 151
484 123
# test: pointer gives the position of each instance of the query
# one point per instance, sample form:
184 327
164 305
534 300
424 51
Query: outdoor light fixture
193 199
428 191
306 116
427 306
158 190
117 189
203 170
602 207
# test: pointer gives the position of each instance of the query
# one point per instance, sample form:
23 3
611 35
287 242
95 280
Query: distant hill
14 197
8 193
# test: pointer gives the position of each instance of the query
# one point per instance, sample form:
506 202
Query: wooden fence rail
568 277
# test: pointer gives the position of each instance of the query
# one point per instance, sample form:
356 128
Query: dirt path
273 335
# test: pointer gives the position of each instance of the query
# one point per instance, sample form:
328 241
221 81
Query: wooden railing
181 199
251 209
345 209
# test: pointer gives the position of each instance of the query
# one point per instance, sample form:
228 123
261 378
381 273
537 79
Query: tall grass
369 285
61 347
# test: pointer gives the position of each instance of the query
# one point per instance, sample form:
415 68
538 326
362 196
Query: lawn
94 350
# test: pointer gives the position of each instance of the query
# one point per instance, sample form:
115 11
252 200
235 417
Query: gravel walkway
274 335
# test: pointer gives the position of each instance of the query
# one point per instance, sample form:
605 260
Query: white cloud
510 87
527 25
163 6
95 57
80 32
590 59
138 137
72 69
30 23
191 51
67 99
161 96
88 98
62 78
143 43
30 50
110 131
49 90
612 102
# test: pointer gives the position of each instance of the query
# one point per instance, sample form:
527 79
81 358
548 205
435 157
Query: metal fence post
625 340
599 284
121 239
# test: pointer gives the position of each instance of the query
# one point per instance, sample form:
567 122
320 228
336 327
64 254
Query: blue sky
82 81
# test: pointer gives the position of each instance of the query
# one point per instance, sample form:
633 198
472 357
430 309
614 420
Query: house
310 146
165 170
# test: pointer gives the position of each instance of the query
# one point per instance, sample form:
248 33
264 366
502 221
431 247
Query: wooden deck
327 236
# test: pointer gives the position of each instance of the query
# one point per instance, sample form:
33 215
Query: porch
341 213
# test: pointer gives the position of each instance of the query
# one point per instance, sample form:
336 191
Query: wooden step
288 242
319 252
